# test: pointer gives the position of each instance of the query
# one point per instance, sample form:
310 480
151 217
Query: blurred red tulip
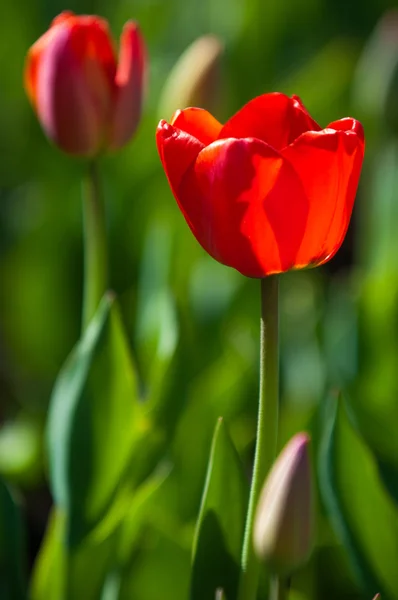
85 100
269 191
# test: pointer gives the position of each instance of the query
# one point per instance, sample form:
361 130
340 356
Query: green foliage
221 522
129 439
12 548
363 514
93 423
62 573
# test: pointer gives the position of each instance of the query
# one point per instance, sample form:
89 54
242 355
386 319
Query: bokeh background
339 323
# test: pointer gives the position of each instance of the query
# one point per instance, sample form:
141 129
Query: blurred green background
339 323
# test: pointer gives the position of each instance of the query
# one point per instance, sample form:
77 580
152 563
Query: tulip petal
197 122
35 52
329 164
273 118
73 84
92 44
177 150
32 64
64 16
245 205
130 84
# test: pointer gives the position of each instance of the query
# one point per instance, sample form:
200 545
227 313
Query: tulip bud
283 527
86 102
194 80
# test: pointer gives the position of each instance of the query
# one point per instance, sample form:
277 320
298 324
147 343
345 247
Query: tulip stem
267 428
279 590
95 246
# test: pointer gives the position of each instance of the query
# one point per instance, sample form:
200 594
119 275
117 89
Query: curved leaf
221 522
361 511
62 573
93 423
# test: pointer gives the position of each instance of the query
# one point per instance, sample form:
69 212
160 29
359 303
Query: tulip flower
195 78
86 102
283 528
270 190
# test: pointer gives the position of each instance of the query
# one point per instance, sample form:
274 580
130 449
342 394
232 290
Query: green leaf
221 522
61 573
12 548
373 395
48 578
93 423
389 476
150 540
156 326
159 568
145 505
361 511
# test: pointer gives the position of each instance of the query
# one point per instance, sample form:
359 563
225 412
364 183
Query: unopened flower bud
194 80
283 527
86 100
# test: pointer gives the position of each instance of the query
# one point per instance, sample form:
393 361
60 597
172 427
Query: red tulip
268 191
85 100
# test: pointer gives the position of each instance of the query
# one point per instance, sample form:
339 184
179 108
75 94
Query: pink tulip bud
195 78
283 528
85 101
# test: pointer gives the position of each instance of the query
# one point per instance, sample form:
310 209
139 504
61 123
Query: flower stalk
279 589
267 427
95 246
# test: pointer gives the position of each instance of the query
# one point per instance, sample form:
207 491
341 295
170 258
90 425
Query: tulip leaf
156 326
93 423
389 476
159 568
361 511
48 578
150 541
373 395
221 522
12 547
63 573
144 508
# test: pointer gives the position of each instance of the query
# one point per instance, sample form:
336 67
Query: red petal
73 84
93 47
273 118
130 83
245 206
62 17
177 150
32 62
199 123
328 164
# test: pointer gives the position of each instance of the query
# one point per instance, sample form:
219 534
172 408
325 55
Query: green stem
279 589
267 428
95 246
